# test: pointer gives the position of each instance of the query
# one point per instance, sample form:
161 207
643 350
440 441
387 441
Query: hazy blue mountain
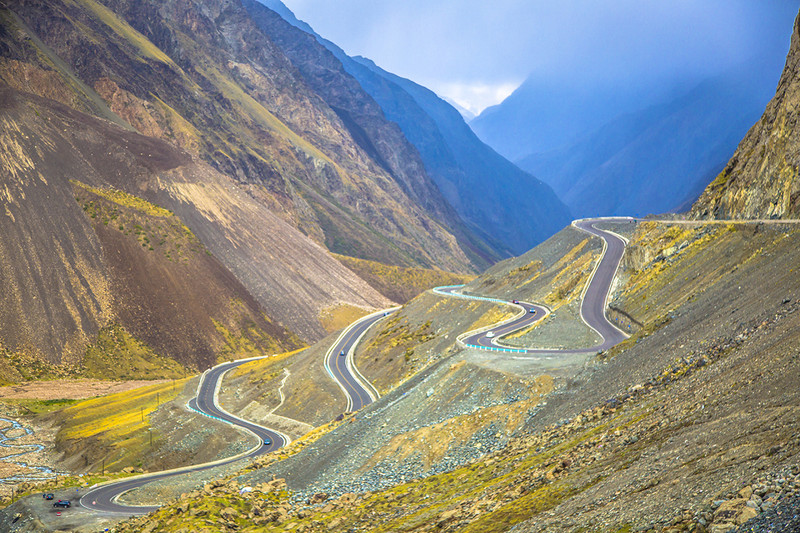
655 159
494 194
498 201
543 115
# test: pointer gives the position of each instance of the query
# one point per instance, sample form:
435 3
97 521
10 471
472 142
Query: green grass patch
38 407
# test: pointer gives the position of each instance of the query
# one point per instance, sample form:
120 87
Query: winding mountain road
340 366
593 303
104 497
359 392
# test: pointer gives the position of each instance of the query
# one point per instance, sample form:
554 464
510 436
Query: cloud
470 46
475 97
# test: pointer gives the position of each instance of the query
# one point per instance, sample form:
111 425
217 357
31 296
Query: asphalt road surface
103 498
593 304
339 363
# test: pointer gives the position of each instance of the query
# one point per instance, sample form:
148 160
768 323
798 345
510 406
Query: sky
476 52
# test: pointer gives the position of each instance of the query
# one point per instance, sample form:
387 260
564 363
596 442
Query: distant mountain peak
466 113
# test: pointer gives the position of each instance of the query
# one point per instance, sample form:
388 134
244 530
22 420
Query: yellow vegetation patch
571 255
119 421
659 238
117 354
117 415
340 316
154 227
494 315
252 342
128 33
568 284
128 200
261 366
399 283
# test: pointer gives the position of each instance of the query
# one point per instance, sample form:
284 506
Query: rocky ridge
761 180
203 76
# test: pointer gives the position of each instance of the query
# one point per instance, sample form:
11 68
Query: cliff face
203 76
762 180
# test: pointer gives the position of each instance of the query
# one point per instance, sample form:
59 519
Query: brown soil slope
71 268
762 180
202 76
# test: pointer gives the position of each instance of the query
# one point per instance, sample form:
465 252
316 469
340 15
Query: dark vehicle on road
341 353
62 503
533 310
48 496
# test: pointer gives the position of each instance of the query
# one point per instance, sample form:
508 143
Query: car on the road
266 442
63 504
532 311
48 496
341 353
490 334
514 301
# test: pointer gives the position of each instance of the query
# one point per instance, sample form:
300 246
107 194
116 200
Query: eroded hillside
82 252
202 76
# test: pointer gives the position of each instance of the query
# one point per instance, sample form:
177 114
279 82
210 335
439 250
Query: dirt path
69 389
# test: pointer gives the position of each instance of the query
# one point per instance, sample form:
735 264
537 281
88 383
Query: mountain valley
193 182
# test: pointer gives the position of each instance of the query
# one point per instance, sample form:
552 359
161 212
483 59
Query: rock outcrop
762 179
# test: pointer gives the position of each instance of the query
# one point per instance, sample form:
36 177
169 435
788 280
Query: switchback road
593 303
103 498
357 389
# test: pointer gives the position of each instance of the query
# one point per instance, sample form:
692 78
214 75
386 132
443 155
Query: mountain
85 263
761 179
651 160
543 115
172 183
634 146
202 75
487 191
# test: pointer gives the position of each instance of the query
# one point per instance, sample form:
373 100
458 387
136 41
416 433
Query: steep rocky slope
82 252
80 256
761 179
486 190
201 75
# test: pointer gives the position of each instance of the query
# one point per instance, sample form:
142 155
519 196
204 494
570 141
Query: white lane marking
357 376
